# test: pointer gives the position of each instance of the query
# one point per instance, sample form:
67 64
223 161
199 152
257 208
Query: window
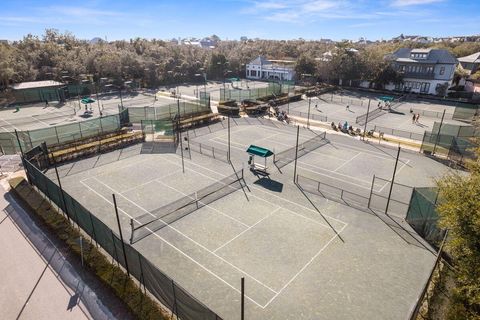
442 70
254 73
402 68
425 87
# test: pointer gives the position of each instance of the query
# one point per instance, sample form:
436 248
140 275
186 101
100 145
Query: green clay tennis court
304 254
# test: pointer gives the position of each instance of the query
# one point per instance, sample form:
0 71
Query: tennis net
155 220
283 158
360 120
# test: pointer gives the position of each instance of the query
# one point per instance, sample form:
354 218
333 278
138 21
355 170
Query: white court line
270 194
44 123
305 266
11 125
250 227
386 183
206 205
123 167
223 141
174 247
373 153
330 171
313 258
187 237
347 162
150 181
332 177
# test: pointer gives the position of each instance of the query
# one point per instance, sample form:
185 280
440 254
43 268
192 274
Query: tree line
156 62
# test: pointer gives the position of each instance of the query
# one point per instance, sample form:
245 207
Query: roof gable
434 55
260 61
473 58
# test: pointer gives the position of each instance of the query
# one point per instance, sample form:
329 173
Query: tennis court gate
160 136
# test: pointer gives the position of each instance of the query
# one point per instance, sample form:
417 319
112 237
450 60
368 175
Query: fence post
93 229
242 313
296 154
393 181
61 189
121 234
371 191
174 307
56 134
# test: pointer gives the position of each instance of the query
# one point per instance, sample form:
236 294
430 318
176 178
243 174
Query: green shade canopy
87 100
386 98
259 151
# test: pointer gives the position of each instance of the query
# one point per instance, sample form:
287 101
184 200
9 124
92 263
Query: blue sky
269 19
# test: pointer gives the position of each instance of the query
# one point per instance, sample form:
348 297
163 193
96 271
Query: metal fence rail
399 133
285 157
88 128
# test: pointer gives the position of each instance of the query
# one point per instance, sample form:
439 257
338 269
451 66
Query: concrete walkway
37 281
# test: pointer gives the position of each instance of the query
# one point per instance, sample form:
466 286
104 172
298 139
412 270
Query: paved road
31 286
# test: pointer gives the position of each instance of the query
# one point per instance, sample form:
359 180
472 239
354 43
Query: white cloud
82 12
406 3
303 11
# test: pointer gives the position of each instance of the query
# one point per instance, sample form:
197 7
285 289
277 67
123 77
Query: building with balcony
423 70
263 69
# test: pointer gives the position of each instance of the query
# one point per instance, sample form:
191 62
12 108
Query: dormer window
418 55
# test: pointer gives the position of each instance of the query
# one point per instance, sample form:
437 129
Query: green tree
305 65
459 212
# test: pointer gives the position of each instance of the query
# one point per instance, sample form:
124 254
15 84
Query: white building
263 69
423 69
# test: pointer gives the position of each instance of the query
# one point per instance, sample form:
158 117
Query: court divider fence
255 93
374 201
423 217
71 132
456 149
167 291
281 159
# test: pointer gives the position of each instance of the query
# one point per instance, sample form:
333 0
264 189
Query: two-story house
263 69
423 70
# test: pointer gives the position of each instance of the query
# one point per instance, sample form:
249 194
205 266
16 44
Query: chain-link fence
423 217
169 293
9 144
456 130
255 93
456 149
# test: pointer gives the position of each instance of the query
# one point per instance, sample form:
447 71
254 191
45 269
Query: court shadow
269 184
318 210
396 112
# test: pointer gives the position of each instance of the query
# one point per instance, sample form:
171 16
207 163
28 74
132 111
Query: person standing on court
418 117
347 107
414 118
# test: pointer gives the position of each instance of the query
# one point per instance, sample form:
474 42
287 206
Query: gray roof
473 58
260 61
434 56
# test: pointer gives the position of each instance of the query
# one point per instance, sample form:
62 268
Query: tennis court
302 256
332 108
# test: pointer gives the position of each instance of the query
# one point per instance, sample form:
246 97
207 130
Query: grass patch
140 305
